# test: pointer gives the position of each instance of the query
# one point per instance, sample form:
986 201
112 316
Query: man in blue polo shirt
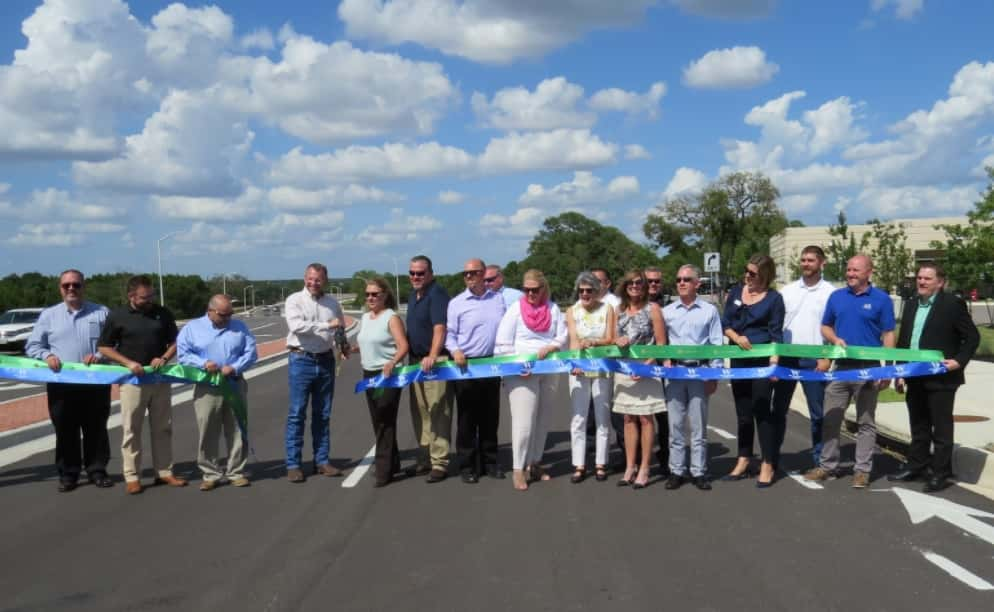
858 315
431 400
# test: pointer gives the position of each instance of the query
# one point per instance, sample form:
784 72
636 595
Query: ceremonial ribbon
610 359
37 371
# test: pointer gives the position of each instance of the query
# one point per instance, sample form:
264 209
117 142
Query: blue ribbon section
639 368
87 377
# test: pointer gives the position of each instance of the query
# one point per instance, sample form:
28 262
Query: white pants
531 400
581 388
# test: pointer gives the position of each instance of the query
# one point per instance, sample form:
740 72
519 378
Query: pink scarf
536 318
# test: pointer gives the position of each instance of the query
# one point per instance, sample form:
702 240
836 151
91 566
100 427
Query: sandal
579 475
537 472
627 478
600 473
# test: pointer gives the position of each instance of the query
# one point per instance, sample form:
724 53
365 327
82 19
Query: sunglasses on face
531 290
489 279
634 283
685 279
469 273
416 273
654 281
584 290
750 273
68 286
373 294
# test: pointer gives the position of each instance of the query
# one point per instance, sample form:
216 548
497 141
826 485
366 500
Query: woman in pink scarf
533 325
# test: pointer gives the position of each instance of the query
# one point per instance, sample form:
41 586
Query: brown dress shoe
133 487
241 481
208 485
172 481
326 469
295 475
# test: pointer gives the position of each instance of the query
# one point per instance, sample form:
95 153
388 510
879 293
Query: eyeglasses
68 286
416 273
468 273
584 290
223 315
654 281
685 279
633 283
750 274
373 294
489 279
531 290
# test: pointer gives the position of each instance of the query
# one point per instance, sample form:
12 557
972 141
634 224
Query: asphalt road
452 546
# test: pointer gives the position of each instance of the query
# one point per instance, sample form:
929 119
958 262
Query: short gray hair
695 269
587 278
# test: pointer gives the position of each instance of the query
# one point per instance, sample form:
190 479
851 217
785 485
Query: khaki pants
431 414
214 417
135 400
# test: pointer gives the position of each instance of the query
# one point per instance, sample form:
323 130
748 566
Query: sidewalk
973 458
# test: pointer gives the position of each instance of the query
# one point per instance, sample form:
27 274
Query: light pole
158 253
245 296
224 284
396 280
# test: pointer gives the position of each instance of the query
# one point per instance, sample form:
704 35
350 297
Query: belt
297 349
856 364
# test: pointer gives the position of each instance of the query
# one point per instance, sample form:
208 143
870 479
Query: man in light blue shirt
68 332
494 280
217 343
690 321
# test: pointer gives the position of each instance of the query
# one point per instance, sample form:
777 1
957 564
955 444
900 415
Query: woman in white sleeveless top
382 345
591 323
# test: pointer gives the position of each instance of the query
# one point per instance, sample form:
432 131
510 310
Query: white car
15 327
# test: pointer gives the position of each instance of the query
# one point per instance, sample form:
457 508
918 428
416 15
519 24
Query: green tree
569 243
841 247
892 259
735 216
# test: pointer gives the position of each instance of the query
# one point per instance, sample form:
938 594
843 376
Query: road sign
712 262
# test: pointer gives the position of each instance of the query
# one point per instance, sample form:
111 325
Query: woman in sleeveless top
640 322
382 345
591 323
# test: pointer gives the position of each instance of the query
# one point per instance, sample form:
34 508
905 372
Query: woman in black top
754 315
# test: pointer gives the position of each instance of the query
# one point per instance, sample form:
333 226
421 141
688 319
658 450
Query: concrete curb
974 467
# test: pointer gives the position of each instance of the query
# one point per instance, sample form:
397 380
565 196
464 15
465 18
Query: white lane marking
17 399
721 432
16 386
809 484
360 470
22 451
262 326
958 572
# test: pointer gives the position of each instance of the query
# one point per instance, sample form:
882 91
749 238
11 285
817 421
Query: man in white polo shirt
804 302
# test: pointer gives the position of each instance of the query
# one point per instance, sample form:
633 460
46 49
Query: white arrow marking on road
721 432
922 507
799 478
262 326
361 469
958 572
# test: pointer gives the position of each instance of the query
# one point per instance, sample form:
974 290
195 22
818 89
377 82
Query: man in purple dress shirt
473 317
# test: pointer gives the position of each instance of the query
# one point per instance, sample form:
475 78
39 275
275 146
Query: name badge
738 302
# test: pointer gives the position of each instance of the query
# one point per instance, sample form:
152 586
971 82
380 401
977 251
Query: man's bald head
220 301
219 310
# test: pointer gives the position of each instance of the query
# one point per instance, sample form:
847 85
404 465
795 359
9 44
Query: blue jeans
814 393
310 379
687 400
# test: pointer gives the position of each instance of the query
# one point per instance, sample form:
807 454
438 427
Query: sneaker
208 485
295 475
860 480
241 481
819 474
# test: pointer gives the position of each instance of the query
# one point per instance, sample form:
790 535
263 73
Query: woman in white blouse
533 325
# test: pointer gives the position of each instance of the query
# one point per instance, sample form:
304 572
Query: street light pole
245 296
158 253
396 280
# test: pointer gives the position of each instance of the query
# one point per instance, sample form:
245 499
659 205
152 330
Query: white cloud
55 204
192 146
185 44
261 39
727 9
450 197
488 31
928 201
734 68
833 125
799 203
552 105
59 234
903 9
399 228
523 224
585 190
301 200
281 234
685 181
554 150
636 151
240 209
619 100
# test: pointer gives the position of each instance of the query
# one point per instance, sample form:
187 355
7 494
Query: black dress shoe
436 475
702 483
66 485
936 483
674 482
906 475
100 479
494 471
469 477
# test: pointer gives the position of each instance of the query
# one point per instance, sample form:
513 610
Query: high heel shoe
641 483
627 478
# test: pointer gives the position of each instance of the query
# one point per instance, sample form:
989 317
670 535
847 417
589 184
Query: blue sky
268 135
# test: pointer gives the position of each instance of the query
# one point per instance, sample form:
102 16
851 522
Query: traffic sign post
712 264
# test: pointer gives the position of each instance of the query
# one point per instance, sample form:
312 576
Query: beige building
786 246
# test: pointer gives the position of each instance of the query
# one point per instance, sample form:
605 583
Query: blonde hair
538 277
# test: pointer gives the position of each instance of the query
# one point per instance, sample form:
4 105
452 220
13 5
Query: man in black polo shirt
431 400
143 334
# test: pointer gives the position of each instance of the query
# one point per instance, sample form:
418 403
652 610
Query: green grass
986 342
